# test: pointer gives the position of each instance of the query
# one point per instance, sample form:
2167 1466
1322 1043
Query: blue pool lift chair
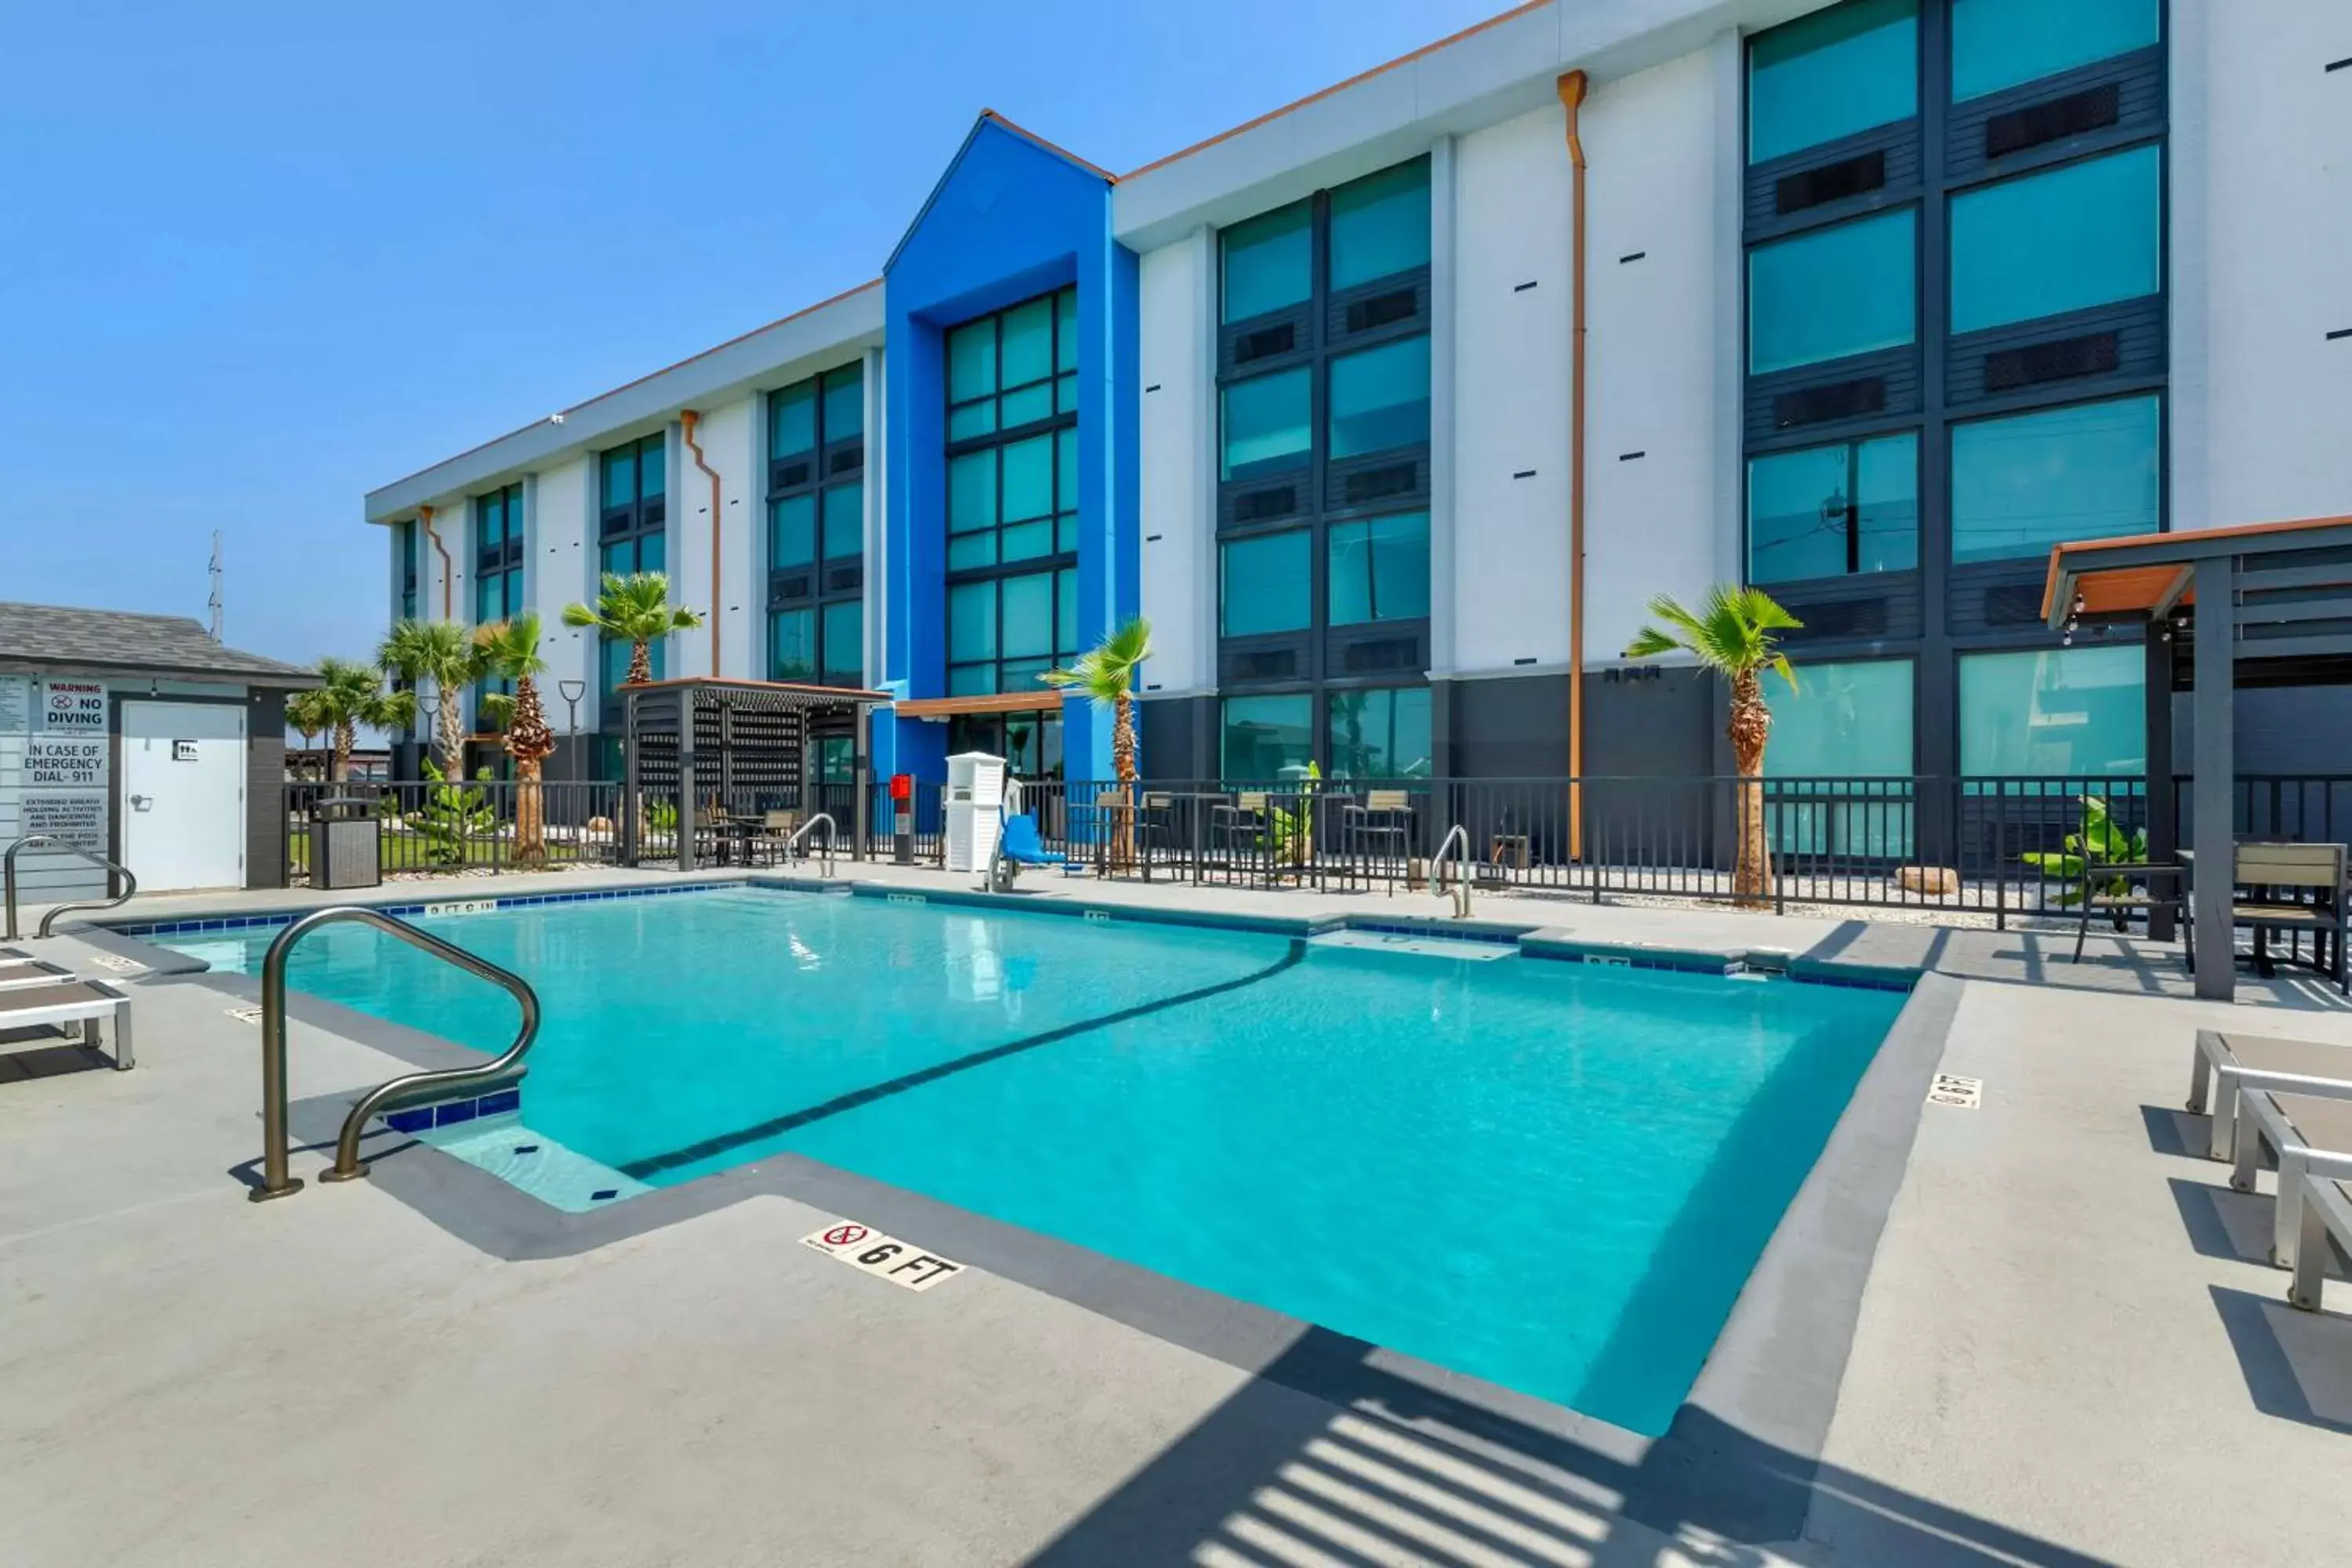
1019 846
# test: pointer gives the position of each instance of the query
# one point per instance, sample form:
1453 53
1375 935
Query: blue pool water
1553 1175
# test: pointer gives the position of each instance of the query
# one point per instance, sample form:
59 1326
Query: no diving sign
883 1257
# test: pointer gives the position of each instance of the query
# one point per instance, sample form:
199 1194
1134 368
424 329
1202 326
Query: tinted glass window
1823 296
1268 584
971 361
1379 225
1840 720
1262 735
791 646
971 621
2021 485
1380 569
2004 42
653 473
792 420
620 477
845 520
1380 398
844 404
1269 262
1827 512
2080 236
1381 735
1267 423
845 652
792 531
2057 714
1832 74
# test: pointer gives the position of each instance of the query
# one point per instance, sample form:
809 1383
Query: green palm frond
508 650
354 694
496 710
442 652
1106 672
1732 632
633 609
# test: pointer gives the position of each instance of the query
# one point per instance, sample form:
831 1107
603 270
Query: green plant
352 695
1106 673
444 652
1734 637
2100 843
1293 832
453 815
661 816
635 610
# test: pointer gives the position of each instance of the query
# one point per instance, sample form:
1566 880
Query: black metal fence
2001 847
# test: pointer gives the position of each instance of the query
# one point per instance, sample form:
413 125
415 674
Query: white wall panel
1652 523
1176 432
1510 394
562 541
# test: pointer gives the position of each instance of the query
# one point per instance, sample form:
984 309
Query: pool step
1418 946
540 1166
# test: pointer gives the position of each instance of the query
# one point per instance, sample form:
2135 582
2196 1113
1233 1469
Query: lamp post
571 692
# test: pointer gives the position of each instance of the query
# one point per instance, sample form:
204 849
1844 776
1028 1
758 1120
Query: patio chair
2307 1136
1383 819
2272 870
1018 846
17 972
2231 1065
2095 900
775 830
82 1001
1238 830
2326 1217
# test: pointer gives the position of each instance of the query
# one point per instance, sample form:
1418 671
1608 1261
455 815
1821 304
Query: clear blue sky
259 257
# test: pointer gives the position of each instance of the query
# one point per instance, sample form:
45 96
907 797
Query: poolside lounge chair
2233 1064
82 1001
17 973
2309 1136
1019 846
2327 1214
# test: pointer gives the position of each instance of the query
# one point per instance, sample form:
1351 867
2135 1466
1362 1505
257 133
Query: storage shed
140 739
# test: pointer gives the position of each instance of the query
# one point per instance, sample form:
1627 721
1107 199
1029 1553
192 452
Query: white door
183 795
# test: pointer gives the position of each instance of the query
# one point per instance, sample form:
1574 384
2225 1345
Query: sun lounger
2326 1213
82 1001
2232 1064
16 970
2308 1136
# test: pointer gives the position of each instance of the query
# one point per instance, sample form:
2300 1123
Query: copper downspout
1571 87
424 516
688 419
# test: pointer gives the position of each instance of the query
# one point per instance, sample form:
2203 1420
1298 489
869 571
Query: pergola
734 741
2264 605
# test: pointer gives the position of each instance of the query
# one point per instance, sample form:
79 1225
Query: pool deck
2068 1350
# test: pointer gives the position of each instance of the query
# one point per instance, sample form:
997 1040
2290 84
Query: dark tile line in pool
448 1113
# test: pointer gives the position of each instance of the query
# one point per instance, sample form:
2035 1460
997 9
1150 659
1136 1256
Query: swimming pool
1555 1176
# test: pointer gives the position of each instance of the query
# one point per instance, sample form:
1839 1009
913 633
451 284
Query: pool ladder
803 832
274 1181
1460 835
50 841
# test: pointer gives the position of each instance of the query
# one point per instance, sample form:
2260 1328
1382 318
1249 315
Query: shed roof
61 637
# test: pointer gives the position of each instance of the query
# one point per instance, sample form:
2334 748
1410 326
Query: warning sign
74 705
883 1257
65 764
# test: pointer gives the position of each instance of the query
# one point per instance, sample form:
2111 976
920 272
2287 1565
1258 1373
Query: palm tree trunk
1122 765
641 663
341 767
1751 725
530 841
452 736
528 741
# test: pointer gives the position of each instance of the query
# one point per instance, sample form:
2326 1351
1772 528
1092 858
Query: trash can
344 850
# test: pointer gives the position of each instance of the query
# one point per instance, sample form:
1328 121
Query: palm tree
636 610
306 714
1106 673
509 651
353 694
442 652
1732 636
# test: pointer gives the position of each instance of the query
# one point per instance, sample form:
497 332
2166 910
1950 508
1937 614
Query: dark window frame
1317 492
1051 565
501 561
629 524
836 462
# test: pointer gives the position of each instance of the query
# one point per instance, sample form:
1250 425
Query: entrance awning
989 702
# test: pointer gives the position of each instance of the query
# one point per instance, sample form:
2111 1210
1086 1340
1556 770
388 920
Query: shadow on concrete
2224 1223
22 1059
2298 1364
1326 1458
2172 1130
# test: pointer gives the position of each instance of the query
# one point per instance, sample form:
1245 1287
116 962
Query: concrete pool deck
2068 1349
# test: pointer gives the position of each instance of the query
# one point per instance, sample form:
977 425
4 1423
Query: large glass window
1381 733
1268 423
1999 44
2088 234
1005 632
498 554
2057 714
1380 569
1014 368
2022 484
1833 73
1380 398
1269 262
1379 225
1835 734
1262 736
1823 295
1267 583
816 528
1832 512
629 534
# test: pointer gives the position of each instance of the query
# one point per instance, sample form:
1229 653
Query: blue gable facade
1012 218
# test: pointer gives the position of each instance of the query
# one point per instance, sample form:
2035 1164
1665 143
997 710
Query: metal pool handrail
50 841
1461 867
348 1166
831 828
